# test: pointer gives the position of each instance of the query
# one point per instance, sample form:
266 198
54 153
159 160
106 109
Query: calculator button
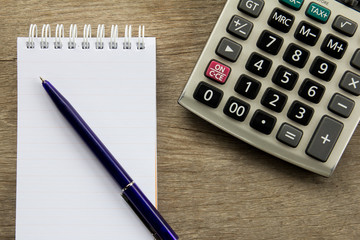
258 64
208 95
296 55
334 46
324 138
263 122
311 91
300 113
274 100
355 60
289 135
281 20
350 82
251 7
236 109
285 78
341 105
293 4
344 25
247 86
318 12
323 69
270 42
307 33
240 27
228 49
217 71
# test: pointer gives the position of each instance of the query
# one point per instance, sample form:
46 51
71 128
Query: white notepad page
63 191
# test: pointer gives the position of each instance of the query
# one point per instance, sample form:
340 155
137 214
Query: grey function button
355 60
341 105
324 138
251 7
228 49
344 25
240 27
350 82
289 135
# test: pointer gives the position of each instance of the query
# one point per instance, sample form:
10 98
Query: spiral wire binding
85 44
127 38
32 34
72 36
45 34
87 34
59 35
99 44
141 39
114 36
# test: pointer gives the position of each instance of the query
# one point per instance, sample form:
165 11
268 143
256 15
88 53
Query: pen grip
148 213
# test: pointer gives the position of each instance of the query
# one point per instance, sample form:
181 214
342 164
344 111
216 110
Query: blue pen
130 191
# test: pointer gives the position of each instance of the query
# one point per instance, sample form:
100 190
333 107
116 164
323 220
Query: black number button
300 113
296 55
307 33
285 78
236 109
263 122
274 100
334 46
247 86
208 95
311 90
270 42
323 69
258 64
281 20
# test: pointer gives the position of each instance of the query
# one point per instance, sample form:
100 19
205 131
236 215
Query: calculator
283 76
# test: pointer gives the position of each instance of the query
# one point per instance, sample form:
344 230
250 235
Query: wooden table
210 185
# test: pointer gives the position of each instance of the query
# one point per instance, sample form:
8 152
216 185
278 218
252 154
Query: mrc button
217 71
318 12
281 20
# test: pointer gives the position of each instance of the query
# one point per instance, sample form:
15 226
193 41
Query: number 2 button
274 100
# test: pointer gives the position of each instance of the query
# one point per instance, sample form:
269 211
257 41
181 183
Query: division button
344 25
350 82
355 60
251 7
289 135
263 122
217 71
324 138
341 105
228 49
281 20
208 95
318 12
240 27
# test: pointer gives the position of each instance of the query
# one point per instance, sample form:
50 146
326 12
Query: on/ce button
217 71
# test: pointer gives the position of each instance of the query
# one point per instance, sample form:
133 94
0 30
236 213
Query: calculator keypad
278 66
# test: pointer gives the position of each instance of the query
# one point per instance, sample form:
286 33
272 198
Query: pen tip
43 80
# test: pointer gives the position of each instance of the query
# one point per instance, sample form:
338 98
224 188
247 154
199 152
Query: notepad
63 191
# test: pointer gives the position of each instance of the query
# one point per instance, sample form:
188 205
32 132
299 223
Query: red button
217 72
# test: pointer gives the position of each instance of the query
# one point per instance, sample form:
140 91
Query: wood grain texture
210 185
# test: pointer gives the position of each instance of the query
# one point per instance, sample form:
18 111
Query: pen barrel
148 213
89 137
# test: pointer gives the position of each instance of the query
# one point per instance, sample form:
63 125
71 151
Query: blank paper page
63 191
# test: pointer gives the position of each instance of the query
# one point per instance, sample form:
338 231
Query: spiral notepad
63 192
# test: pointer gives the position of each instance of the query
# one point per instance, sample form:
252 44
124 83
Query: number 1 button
208 95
